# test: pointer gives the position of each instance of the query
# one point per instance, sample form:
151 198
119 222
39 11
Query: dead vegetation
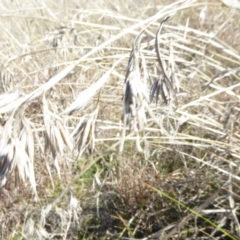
119 121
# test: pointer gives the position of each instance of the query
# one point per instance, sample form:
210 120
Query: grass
119 121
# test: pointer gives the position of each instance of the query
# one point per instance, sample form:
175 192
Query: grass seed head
186 139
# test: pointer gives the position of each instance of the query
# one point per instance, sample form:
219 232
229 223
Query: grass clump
119 121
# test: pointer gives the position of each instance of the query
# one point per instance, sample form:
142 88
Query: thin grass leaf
58 139
12 105
85 96
195 212
7 98
153 89
84 133
56 164
64 134
26 137
167 92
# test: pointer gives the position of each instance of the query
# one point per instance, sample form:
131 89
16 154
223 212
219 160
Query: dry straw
62 130
164 85
17 151
56 135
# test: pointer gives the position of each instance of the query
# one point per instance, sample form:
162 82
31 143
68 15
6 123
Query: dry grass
119 121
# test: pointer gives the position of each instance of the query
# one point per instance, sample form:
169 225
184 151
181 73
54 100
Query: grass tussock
119 121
